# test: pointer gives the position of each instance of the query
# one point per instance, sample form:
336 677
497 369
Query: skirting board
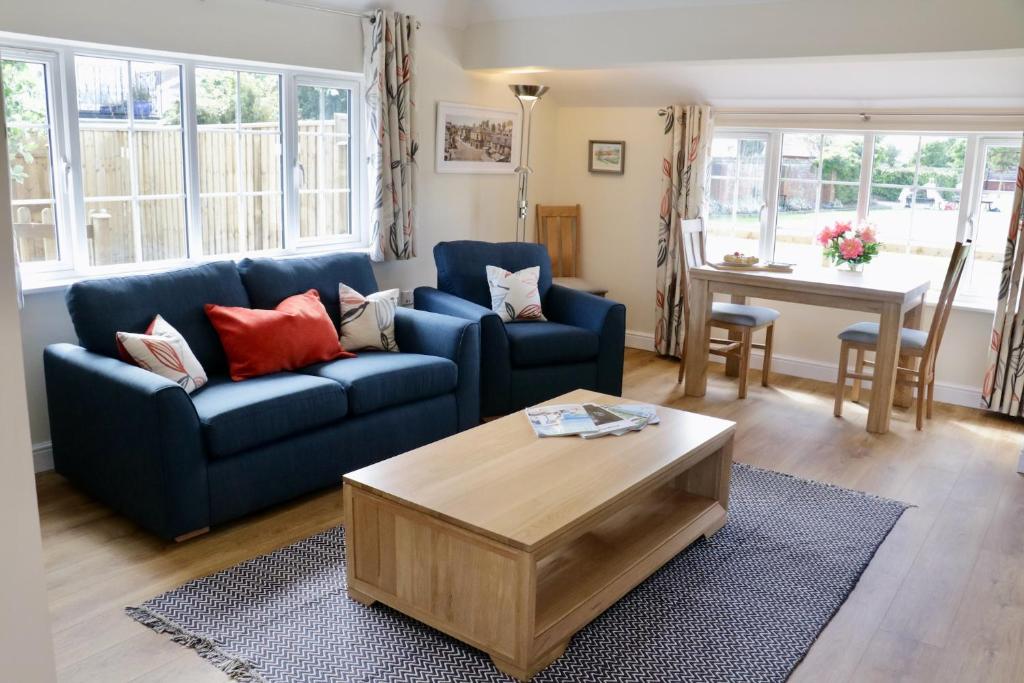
42 456
955 394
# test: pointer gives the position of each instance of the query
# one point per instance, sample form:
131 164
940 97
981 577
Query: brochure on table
590 420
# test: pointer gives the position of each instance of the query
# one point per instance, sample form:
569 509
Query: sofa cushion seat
379 379
237 416
550 343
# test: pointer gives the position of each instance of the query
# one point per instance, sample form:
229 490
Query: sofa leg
191 534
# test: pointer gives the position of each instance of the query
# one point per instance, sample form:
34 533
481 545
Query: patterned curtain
389 64
687 142
1004 380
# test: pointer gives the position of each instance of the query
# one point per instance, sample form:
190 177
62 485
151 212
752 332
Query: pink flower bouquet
845 244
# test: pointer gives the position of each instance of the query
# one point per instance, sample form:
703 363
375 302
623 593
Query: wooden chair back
957 264
558 228
693 242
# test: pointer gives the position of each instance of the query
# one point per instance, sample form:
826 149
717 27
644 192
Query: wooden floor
943 600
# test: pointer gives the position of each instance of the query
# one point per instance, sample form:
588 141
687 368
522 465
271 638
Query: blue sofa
579 347
176 463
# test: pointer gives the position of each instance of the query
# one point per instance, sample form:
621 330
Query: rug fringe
235 668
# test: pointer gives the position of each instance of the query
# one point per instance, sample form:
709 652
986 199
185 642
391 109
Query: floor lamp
528 96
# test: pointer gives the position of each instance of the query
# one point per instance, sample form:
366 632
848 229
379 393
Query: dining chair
739 320
920 346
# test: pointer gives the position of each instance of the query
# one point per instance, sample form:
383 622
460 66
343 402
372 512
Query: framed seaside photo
607 156
477 139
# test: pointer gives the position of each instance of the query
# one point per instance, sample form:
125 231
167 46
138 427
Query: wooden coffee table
512 543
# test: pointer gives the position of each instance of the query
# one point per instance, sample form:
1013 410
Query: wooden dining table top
879 283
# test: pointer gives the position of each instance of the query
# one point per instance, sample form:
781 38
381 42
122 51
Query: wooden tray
757 267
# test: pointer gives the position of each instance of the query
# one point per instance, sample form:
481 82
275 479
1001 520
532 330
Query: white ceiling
462 13
985 80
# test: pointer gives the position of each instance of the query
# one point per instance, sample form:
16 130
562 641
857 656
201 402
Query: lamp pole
528 96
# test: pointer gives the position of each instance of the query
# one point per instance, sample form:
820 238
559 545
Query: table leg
883 383
698 338
904 392
732 363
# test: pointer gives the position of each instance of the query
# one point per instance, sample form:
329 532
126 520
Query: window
35 198
324 163
922 191
915 198
129 129
993 204
736 192
819 180
239 117
159 161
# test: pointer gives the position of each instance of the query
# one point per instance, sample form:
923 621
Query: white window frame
239 193
60 168
134 198
356 172
970 195
763 212
66 153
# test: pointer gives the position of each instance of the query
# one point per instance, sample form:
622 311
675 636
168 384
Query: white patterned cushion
164 351
368 322
514 296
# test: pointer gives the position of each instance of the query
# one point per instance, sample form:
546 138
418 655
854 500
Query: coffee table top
502 481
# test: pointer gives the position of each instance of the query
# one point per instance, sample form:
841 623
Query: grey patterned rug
745 605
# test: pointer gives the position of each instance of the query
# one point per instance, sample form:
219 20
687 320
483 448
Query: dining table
895 296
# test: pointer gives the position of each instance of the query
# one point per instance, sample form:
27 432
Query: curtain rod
320 8
866 116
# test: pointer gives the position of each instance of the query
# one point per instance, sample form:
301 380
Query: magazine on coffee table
590 420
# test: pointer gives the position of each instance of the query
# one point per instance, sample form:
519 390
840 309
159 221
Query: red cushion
295 334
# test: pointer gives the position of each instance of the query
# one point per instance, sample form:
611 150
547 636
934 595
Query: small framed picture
476 139
607 156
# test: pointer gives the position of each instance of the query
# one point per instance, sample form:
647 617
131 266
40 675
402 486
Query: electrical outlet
405 297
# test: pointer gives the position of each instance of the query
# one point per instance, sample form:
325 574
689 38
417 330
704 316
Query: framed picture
477 139
607 156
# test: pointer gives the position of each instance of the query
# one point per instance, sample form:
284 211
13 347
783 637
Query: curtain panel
389 65
688 131
1004 380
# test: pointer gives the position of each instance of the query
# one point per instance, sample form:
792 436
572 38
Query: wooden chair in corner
915 344
740 320
558 228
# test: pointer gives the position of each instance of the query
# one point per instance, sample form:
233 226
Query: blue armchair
580 346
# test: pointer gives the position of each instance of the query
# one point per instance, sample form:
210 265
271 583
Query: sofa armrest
605 318
453 338
436 301
128 437
495 358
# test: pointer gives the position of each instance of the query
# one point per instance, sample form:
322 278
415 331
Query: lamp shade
528 92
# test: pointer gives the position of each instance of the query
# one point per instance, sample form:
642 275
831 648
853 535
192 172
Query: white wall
451 206
26 651
619 243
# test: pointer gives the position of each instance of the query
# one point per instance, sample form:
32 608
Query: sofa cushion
297 333
462 266
550 343
101 308
271 281
378 379
236 416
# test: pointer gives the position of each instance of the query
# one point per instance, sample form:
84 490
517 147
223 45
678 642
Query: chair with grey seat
918 345
739 320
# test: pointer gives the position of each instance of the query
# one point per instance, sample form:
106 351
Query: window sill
33 283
